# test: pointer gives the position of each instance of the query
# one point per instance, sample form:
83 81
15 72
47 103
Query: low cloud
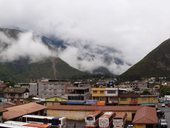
88 57
130 26
26 46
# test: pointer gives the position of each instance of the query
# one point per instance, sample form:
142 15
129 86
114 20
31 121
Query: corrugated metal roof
93 108
20 110
146 115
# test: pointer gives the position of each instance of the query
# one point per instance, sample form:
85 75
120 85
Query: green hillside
156 63
22 70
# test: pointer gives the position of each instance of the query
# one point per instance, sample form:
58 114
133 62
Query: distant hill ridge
156 63
23 70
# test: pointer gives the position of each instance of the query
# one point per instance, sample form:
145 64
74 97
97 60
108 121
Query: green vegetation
156 64
22 70
9 83
164 90
146 92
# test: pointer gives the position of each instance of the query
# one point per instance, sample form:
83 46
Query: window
111 91
90 118
12 94
133 99
101 92
123 99
94 91
144 99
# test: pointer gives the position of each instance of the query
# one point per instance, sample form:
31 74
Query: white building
51 88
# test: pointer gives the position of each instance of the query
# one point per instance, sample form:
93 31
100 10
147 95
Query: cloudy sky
131 26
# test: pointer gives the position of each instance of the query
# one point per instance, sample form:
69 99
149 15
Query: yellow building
103 94
136 99
111 95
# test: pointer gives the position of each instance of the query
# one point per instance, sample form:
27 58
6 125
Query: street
167 114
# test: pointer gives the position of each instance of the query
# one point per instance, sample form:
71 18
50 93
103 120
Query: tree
164 90
146 92
9 83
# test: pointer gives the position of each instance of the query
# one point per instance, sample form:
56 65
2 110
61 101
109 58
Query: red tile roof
146 115
94 108
20 110
8 104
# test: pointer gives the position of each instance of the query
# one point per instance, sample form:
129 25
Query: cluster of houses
123 94
78 99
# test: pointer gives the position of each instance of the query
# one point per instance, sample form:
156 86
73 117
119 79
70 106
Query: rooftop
2 109
15 90
146 115
20 110
94 108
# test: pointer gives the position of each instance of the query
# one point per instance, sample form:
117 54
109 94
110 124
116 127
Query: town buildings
121 96
15 94
52 88
15 112
142 117
33 88
78 92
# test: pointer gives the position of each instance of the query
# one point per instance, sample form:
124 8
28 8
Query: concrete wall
51 89
124 101
129 116
139 126
33 88
76 115
26 95
147 100
140 100
71 115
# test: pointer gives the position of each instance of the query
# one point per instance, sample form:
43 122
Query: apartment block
78 92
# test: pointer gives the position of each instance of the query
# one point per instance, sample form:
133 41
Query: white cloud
87 56
26 46
133 27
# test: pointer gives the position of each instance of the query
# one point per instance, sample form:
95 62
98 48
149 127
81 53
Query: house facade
16 94
136 99
121 96
52 88
78 92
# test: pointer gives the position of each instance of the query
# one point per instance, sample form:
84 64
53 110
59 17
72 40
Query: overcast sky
134 27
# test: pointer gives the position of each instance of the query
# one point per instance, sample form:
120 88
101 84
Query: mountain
102 71
23 69
156 63
89 56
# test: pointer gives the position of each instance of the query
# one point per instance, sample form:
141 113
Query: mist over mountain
132 28
86 56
